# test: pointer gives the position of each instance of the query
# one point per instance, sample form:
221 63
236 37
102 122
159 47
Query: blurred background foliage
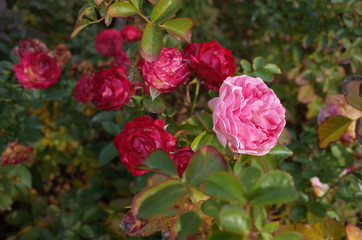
75 188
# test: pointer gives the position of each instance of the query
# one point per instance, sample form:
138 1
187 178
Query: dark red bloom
139 138
181 159
111 89
191 49
37 70
83 89
212 63
109 43
131 34
30 45
121 60
16 153
168 71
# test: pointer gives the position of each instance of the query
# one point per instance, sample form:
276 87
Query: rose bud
83 89
337 105
30 45
61 54
109 43
111 89
247 115
212 63
37 71
16 153
181 159
121 60
167 72
139 138
131 34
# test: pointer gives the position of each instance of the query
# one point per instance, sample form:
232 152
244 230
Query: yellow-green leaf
332 129
121 9
165 9
151 43
180 26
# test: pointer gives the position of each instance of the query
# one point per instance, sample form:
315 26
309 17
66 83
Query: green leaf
107 154
201 140
137 3
157 198
165 9
151 42
298 213
87 232
203 163
279 153
121 9
259 216
111 127
352 89
289 236
158 159
271 227
187 225
211 207
258 63
246 66
103 116
264 74
234 219
273 68
79 27
332 129
182 27
274 187
224 235
249 176
155 106
225 186
5 201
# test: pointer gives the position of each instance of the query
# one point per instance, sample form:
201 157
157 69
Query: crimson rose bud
167 72
213 64
37 70
83 89
30 45
111 89
16 153
139 138
109 43
181 159
131 34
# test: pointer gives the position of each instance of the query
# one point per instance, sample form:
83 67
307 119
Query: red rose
30 45
181 159
191 49
111 89
213 64
168 71
109 43
139 138
131 34
121 60
83 89
16 153
37 70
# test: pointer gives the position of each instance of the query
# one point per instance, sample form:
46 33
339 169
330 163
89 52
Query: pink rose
121 60
37 70
30 45
109 43
83 89
111 89
139 138
131 34
16 153
211 62
248 115
181 159
167 72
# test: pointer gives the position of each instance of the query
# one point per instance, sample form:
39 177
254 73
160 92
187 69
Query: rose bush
37 70
111 89
247 115
167 72
109 43
212 63
139 138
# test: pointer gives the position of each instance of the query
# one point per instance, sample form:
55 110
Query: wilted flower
109 43
16 153
319 188
62 54
247 115
30 45
167 72
37 70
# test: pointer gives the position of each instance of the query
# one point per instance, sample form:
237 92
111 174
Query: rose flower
131 34
16 153
247 115
139 138
181 159
109 43
30 45
37 70
83 89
